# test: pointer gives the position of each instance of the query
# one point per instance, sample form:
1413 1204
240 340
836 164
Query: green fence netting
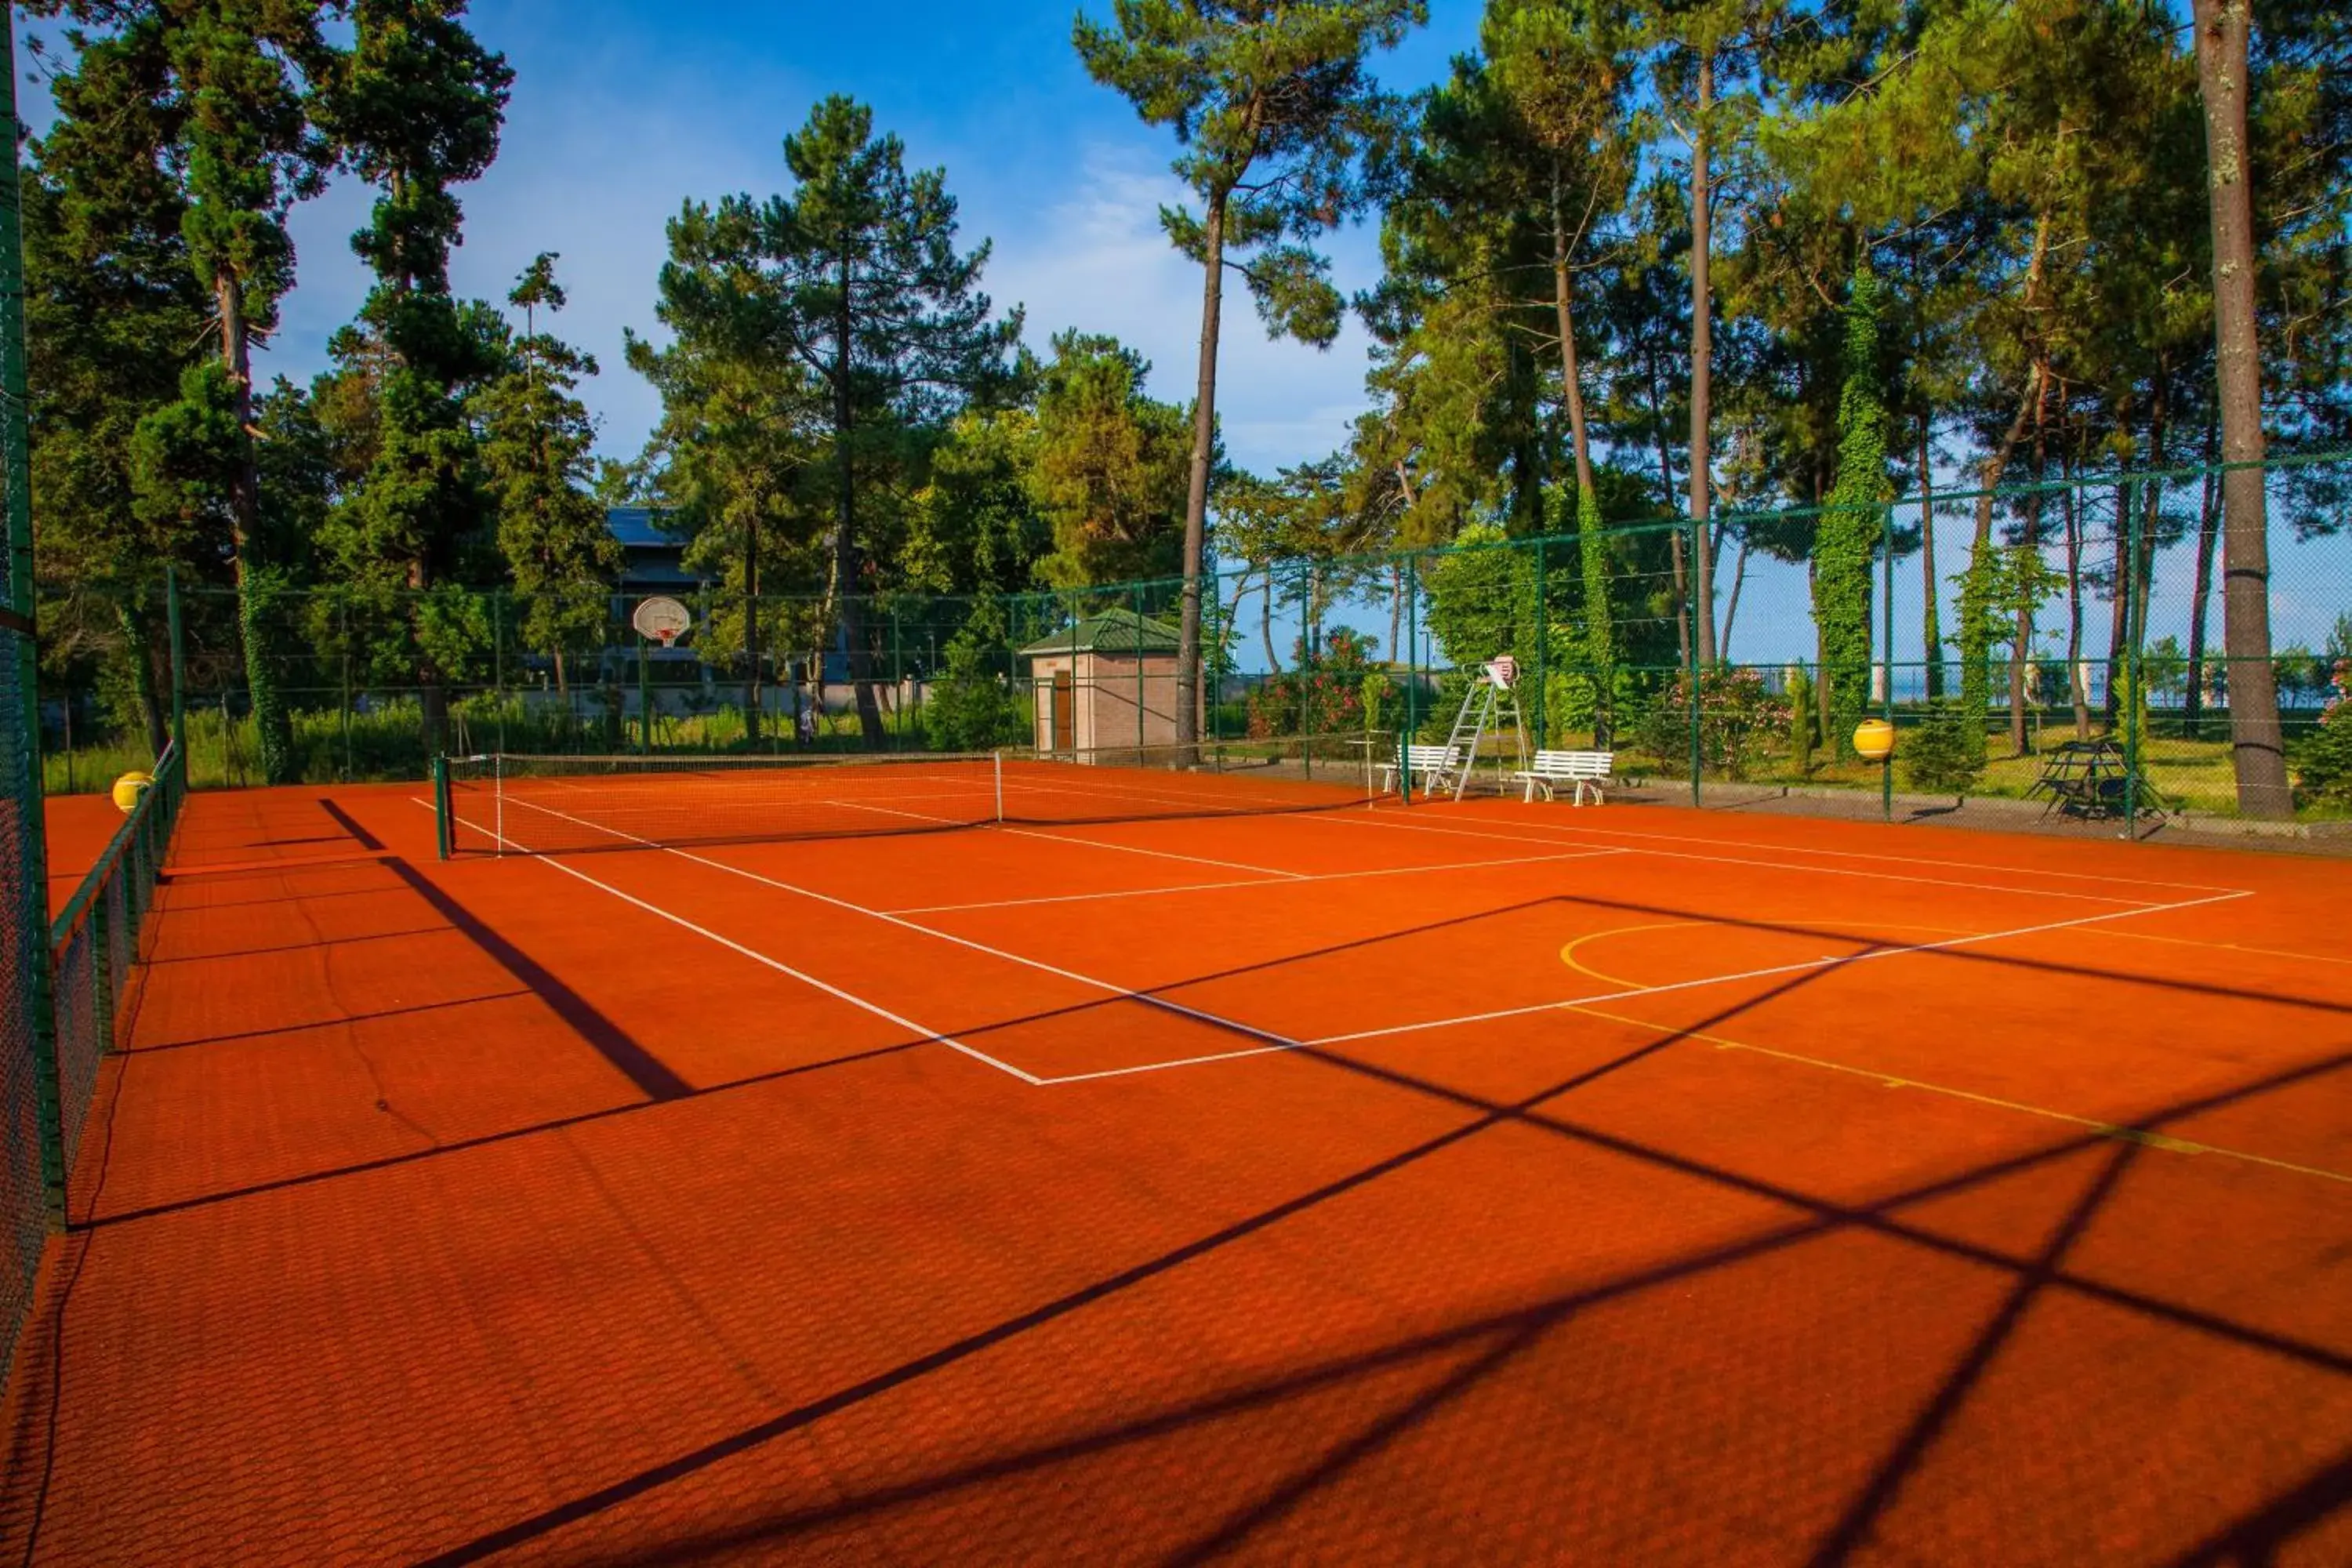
1991 627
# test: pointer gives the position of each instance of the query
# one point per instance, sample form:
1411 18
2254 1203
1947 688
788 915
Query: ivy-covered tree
1273 107
1852 526
536 459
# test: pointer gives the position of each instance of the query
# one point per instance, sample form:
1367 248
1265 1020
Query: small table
2093 779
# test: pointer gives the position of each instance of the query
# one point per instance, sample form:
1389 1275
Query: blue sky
621 111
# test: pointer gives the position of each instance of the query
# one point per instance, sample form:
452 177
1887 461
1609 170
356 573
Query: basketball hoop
662 620
1502 672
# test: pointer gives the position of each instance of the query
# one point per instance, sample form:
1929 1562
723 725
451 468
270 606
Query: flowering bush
1737 717
1324 696
2322 764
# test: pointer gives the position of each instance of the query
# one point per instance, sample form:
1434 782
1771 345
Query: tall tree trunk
2022 647
2257 747
1563 307
1265 621
256 575
1731 606
1196 482
851 611
1702 350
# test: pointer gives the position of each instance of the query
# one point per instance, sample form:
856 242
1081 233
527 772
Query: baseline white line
1376 819
1576 1001
1302 877
1864 855
780 967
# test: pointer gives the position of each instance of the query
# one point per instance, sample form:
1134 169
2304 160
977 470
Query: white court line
1083 843
1277 1042
1377 820
1211 887
921 1032
1869 855
1575 1002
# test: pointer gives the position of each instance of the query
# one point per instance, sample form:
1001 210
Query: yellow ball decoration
1873 739
129 790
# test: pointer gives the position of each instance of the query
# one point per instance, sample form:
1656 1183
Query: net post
101 956
997 760
443 832
1887 698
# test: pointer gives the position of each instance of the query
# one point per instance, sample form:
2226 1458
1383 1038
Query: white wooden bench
1435 767
1585 769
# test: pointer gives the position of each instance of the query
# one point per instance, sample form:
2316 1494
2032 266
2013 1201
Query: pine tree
1274 107
886 316
536 458
416 111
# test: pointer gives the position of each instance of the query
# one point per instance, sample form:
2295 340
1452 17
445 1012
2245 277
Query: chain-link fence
2015 638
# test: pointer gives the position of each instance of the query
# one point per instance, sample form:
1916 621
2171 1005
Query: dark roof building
652 561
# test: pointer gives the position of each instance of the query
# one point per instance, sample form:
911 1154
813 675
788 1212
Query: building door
1065 711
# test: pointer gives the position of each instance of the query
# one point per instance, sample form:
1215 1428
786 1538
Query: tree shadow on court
1492 1343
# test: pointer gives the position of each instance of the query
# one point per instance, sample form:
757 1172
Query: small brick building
1105 685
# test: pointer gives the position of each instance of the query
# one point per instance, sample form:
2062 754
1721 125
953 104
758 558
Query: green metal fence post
30 919
1543 652
1412 676
1887 768
499 664
1136 596
2134 694
444 836
644 699
1690 658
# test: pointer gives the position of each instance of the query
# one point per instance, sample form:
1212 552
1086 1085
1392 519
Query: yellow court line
1568 953
2223 946
2158 1141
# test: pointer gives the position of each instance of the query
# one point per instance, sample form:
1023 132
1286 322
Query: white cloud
1097 261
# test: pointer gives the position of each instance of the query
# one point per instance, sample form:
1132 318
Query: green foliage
537 459
2323 762
1324 694
1480 598
1853 527
1939 754
1110 462
1737 719
970 709
1803 726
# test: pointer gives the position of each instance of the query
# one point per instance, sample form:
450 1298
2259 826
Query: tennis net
505 804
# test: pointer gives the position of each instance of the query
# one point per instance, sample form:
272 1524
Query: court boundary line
1280 1043
923 1035
1302 877
2147 904
1277 1042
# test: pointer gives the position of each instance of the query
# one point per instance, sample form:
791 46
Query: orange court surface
1481 1183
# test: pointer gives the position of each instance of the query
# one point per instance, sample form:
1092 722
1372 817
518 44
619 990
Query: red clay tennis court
1079 1165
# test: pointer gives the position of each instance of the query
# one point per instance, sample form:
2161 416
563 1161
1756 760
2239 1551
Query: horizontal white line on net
1295 879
